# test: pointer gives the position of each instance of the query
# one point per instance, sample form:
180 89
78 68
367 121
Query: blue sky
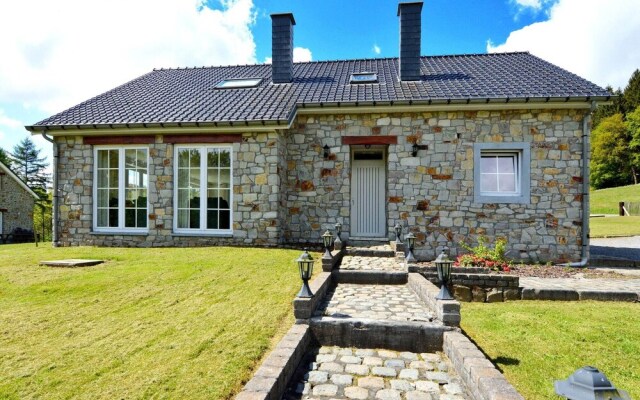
54 55
339 29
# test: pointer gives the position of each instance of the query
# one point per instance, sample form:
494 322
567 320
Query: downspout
586 157
54 218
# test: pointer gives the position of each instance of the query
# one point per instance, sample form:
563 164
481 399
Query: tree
29 166
617 107
632 93
633 127
611 156
4 158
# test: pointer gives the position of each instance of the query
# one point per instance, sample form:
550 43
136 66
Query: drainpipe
54 218
586 157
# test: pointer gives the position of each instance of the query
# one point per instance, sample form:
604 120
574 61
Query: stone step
365 277
375 249
379 334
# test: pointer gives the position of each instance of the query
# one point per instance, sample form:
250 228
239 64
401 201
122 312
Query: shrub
484 256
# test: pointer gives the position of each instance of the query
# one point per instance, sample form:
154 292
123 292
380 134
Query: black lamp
414 149
443 266
325 153
305 264
398 229
411 241
327 238
337 243
588 383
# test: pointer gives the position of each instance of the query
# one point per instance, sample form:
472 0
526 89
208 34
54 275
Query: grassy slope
535 343
605 201
614 226
150 323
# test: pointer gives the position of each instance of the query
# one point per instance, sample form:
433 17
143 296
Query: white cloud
300 54
595 39
535 4
55 54
9 122
376 49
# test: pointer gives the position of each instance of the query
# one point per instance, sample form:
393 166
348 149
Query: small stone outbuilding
16 203
450 147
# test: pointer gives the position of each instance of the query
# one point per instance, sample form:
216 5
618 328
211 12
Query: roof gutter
586 157
54 225
160 128
486 104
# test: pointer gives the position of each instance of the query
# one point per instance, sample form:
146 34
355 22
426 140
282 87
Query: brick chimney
410 32
282 47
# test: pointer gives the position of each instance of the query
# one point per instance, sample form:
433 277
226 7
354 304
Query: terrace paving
379 302
359 263
345 373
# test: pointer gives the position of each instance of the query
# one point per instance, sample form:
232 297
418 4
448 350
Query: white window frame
121 190
203 199
521 151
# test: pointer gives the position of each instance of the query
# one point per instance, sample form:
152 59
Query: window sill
202 234
120 233
482 199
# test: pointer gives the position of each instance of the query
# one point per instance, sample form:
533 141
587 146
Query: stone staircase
373 330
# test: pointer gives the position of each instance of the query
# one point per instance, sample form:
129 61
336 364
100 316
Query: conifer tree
30 166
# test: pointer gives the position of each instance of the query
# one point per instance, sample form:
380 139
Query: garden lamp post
411 241
305 264
337 244
588 383
327 238
398 229
443 266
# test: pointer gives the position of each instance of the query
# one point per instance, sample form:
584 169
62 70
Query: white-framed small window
203 190
238 83
120 189
499 173
502 172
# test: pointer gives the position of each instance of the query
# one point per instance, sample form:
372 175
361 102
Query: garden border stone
483 380
447 311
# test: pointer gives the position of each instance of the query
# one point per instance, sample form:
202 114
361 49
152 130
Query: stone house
450 147
16 203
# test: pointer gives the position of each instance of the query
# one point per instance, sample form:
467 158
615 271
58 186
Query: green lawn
614 226
536 342
149 323
605 201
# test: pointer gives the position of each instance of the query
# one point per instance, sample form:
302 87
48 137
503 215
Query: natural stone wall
286 191
16 205
477 286
432 194
257 166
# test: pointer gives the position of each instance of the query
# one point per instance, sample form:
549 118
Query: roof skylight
364 77
237 83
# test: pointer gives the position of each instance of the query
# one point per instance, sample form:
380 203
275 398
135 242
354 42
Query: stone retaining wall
480 376
447 311
477 287
270 380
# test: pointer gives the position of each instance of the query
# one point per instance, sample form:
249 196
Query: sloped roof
16 178
189 95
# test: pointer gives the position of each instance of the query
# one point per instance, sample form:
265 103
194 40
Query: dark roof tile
189 94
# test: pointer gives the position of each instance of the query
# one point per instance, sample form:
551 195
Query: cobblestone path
343 373
360 263
604 285
380 302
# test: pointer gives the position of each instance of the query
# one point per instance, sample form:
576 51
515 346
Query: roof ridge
344 60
